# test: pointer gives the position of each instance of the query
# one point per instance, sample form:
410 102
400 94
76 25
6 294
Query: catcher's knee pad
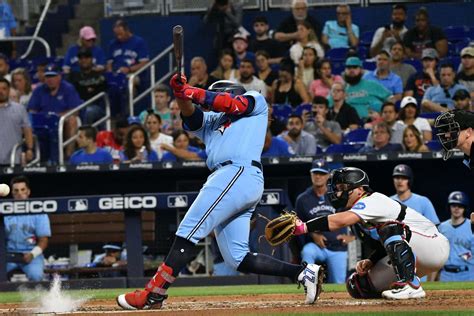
360 286
400 253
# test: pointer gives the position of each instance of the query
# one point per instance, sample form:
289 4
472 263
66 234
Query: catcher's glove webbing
281 229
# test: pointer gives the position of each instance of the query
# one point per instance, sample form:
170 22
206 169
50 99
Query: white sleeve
423 124
377 37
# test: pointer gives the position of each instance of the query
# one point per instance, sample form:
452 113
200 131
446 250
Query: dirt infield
273 304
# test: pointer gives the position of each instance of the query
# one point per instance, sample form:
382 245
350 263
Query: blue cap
112 246
51 70
353 62
134 120
319 165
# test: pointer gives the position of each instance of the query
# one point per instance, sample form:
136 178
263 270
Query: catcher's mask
342 182
227 86
448 132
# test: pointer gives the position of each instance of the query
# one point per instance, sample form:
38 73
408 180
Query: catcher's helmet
345 179
449 125
227 86
458 197
403 171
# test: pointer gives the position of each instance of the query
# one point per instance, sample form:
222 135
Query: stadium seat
343 148
363 52
282 111
415 63
45 127
429 115
456 32
357 135
461 44
369 65
366 38
302 107
434 145
337 53
338 66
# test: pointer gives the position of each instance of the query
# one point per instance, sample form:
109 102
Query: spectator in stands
384 76
86 41
420 82
462 100
307 39
5 68
424 35
15 125
276 125
227 17
39 76
225 69
466 75
386 36
381 134
324 79
113 256
56 96
438 98
397 66
365 96
413 141
114 140
127 52
26 235
88 152
176 122
275 146
409 115
341 112
403 182
21 84
240 45
301 142
248 80
180 150
7 29
341 33
316 122
389 116
287 89
265 72
306 67
88 83
153 127
162 101
199 76
328 247
288 32
263 42
137 146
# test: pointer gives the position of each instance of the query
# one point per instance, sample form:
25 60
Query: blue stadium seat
461 44
366 38
357 135
434 145
319 150
456 32
117 92
45 127
282 111
343 148
369 65
453 60
363 52
429 115
338 66
337 53
415 63
300 108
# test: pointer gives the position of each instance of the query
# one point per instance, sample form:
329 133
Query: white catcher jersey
378 208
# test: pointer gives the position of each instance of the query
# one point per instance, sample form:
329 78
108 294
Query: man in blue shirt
341 32
7 29
403 182
88 152
385 76
276 147
27 235
127 52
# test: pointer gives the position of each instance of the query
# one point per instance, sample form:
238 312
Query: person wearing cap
466 75
397 65
462 100
409 115
424 35
366 96
328 247
87 40
263 42
385 36
419 82
113 256
341 33
403 180
240 45
439 98
384 76
127 52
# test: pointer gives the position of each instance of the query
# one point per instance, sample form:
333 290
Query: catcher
395 232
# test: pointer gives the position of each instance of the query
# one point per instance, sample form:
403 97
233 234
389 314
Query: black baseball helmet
449 125
403 171
345 179
227 86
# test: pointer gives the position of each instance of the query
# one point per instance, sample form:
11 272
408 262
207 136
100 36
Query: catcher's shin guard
360 286
398 250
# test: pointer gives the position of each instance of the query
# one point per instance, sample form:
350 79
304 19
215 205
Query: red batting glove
179 85
300 228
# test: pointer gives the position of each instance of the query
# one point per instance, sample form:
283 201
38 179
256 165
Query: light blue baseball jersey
421 204
461 242
23 231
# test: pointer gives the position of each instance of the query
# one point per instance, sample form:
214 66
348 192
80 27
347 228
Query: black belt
229 162
455 269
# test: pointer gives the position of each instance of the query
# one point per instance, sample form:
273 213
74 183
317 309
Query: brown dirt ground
274 304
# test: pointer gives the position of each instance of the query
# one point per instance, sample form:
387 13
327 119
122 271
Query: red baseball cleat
141 299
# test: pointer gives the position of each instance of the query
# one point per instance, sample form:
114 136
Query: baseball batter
233 126
407 245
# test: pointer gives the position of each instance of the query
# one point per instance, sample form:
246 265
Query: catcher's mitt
281 229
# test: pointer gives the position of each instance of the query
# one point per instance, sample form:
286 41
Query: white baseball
4 189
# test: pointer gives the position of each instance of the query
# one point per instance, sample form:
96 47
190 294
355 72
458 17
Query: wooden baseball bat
178 34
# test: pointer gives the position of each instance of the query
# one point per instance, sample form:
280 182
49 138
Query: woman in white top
307 66
307 38
21 84
225 70
408 115
153 126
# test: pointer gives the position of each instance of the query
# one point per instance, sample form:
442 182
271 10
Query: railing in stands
31 39
38 28
32 162
106 118
150 65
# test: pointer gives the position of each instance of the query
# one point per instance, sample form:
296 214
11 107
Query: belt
455 269
229 162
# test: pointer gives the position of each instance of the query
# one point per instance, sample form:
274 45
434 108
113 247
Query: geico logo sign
24 207
132 202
